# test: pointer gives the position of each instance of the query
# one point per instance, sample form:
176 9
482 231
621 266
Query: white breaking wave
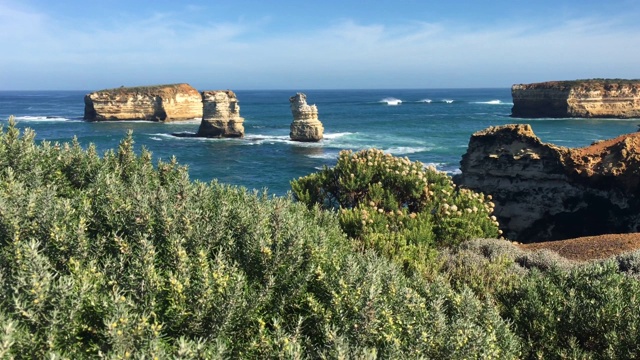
428 101
41 118
391 101
492 102
448 101
183 135
403 150
336 135
269 139
325 156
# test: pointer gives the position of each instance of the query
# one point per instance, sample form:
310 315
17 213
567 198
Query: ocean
429 125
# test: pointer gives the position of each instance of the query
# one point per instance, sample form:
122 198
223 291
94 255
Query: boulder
597 98
305 125
174 102
220 115
545 192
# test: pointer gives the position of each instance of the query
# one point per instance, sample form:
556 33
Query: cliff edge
173 102
597 98
545 192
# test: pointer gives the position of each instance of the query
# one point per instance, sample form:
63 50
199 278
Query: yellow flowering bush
399 207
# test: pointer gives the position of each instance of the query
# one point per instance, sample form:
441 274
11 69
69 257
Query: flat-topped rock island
174 102
594 98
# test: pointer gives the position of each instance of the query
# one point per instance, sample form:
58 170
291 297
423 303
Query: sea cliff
173 102
547 192
220 115
597 98
305 126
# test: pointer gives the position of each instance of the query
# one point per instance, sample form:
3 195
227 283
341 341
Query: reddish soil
590 247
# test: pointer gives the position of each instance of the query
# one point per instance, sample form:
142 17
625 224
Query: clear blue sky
237 44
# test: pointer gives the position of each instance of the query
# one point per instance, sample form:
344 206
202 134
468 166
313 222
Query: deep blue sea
429 125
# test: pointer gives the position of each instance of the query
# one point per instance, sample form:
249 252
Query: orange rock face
546 192
581 98
156 103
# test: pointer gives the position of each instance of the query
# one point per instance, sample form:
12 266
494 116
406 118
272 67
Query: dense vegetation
396 206
114 256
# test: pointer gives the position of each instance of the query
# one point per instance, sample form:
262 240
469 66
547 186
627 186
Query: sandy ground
590 247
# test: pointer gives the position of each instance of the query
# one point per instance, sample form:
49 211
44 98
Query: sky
346 44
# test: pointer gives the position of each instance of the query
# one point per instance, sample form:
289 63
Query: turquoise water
429 125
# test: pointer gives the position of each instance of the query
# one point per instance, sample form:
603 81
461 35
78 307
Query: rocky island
595 98
305 126
546 192
220 115
167 103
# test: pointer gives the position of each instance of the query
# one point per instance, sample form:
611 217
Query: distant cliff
157 103
547 192
597 98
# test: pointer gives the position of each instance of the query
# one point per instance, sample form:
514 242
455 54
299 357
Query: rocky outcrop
220 115
305 125
156 103
545 192
580 98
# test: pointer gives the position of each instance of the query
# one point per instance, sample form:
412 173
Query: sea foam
391 101
492 102
42 118
404 150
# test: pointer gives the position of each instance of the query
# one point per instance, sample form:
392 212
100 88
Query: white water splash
391 101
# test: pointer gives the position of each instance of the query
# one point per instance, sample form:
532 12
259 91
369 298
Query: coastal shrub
493 249
398 207
629 263
590 311
114 256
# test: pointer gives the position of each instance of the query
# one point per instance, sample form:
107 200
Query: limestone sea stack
305 125
173 102
596 98
545 192
220 115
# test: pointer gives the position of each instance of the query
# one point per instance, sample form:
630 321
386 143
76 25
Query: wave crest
391 101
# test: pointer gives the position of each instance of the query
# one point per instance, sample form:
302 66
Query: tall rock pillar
305 125
220 115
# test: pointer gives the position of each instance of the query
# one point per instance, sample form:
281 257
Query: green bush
590 311
377 193
114 257
398 207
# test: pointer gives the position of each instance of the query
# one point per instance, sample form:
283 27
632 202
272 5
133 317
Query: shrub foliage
113 256
398 207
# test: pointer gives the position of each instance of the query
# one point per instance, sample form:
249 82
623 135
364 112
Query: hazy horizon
283 45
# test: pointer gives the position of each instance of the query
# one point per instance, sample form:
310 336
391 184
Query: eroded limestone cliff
221 115
305 125
157 103
547 192
580 98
